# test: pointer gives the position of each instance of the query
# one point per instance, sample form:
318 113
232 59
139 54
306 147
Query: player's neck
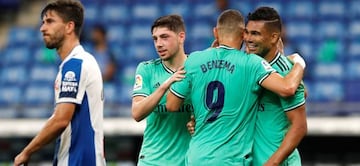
176 62
271 55
231 42
67 47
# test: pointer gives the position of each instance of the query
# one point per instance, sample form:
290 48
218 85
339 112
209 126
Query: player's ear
70 27
182 36
215 32
275 37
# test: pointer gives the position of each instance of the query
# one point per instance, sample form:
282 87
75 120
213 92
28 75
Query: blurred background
325 32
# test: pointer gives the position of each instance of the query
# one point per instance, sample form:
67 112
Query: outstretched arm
296 133
142 106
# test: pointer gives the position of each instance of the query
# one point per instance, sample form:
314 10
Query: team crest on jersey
266 65
138 82
69 84
69 76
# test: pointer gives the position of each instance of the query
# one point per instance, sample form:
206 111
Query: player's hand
191 125
21 159
177 76
296 58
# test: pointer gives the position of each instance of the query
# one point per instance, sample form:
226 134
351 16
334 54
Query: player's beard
55 41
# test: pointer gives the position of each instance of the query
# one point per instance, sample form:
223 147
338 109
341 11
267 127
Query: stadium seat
352 70
180 7
10 96
331 9
21 36
110 93
299 10
115 13
140 31
141 51
354 49
354 29
244 7
351 91
299 30
354 13
329 71
37 94
19 55
92 13
35 112
330 29
44 74
145 11
274 4
14 75
328 91
116 34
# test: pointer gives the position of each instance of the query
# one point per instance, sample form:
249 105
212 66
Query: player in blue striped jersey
77 120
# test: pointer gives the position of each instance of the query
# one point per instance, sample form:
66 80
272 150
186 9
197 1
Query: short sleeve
141 84
73 82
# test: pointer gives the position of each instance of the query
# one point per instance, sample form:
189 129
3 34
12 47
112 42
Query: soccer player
77 120
224 85
166 138
281 122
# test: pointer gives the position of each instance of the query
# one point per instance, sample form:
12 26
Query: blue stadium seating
329 71
20 55
14 75
21 36
352 72
116 33
38 94
303 10
328 91
44 74
351 91
115 13
332 75
354 29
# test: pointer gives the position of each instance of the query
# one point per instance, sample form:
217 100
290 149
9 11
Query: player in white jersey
77 121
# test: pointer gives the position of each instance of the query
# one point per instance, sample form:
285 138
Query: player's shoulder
281 63
150 63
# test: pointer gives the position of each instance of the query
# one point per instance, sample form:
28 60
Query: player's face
167 43
53 30
257 39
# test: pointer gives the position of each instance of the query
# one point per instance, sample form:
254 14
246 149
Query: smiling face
258 40
53 30
167 43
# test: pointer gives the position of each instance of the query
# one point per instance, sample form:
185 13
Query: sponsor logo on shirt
69 83
69 76
266 65
138 82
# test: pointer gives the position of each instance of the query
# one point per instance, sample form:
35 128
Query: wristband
298 59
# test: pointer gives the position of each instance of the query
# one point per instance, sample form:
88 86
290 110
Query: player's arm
173 102
286 86
296 133
54 126
142 106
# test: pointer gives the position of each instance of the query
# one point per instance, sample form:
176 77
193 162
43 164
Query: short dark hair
267 14
173 22
68 10
231 21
